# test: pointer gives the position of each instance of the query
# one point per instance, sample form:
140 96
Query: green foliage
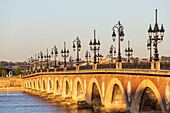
17 71
3 72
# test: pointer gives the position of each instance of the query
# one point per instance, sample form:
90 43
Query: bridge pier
31 91
155 65
118 65
28 90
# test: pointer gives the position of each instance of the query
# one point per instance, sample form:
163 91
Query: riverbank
11 89
11 84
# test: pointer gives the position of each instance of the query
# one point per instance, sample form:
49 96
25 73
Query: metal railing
71 68
125 65
136 65
106 66
60 69
165 65
86 67
38 70
51 70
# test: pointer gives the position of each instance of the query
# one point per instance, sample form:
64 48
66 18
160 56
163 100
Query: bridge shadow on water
62 106
67 106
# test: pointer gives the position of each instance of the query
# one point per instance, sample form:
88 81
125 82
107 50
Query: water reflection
18 102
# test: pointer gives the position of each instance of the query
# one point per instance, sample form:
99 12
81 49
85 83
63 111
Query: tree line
4 72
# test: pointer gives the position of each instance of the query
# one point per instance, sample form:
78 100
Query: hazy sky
30 26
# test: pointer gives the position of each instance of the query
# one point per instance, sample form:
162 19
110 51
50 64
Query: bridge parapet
137 72
129 66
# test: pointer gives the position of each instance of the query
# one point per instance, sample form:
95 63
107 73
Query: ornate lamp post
155 38
40 57
128 51
78 47
47 57
95 47
54 51
71 60
59 63
99 56
31 60
87 56
112 52
149 45
120 28
65 53
25 67
35 61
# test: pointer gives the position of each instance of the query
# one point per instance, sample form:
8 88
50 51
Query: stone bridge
134 90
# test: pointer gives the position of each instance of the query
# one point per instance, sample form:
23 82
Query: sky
30 26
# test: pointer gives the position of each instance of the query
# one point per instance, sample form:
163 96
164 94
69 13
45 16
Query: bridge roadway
134 90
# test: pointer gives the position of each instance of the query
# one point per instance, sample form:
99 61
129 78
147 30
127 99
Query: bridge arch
57 86
38 84
26 84
78 89
50 85
148 88
94 93
34 84
66 88
115 98
43 85
29 84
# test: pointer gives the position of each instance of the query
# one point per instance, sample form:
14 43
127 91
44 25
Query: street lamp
54 51
156 38
65 53
78 47
87 56
40 57
47 57
30 60
71 59
95 47
59 63
120 28
112 52
99 56
35 61
149 45
25 66
128 51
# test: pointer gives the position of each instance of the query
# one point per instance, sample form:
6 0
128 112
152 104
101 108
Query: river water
17 102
